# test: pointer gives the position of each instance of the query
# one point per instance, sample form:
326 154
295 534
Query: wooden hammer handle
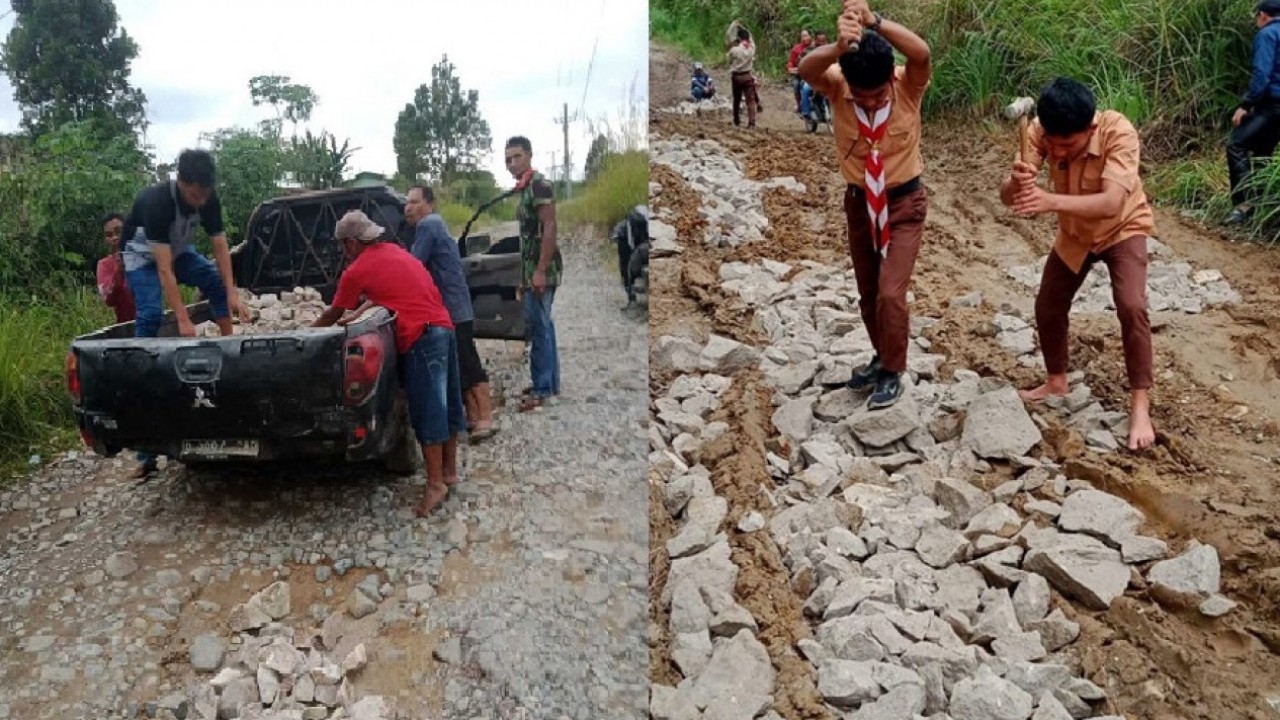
1025 151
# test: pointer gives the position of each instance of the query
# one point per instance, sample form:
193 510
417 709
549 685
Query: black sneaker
866 375
888 390
1238 216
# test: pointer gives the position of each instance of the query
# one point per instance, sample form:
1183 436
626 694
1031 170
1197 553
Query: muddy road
1212 477
318 588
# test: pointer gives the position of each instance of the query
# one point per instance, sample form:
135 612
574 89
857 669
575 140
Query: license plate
219 449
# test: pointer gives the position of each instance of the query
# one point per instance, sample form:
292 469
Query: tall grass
35 408
622 183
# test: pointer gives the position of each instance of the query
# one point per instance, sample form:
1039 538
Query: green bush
35 408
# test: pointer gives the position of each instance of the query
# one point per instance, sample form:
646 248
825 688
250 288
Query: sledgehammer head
1022 107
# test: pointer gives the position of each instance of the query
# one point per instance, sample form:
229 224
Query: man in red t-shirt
387 275
112 287
793 63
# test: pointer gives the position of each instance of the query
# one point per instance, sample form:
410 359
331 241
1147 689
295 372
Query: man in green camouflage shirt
543 269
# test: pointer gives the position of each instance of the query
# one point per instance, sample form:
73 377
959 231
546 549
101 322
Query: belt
899 191
740 72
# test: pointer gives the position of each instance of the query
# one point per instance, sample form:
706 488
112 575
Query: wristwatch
879 19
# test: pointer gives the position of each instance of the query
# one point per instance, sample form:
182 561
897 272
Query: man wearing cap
438 251
389 276
1103 216
701 86
875 114
159 254
1257 120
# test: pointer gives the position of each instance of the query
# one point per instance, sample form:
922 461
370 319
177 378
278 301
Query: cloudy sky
364 59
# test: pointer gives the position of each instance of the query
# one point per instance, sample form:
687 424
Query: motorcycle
815 108
631 235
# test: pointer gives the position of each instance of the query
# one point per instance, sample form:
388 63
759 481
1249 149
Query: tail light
363 365
73 376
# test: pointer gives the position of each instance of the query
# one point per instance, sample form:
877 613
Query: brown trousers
744 86
883 282
1127 262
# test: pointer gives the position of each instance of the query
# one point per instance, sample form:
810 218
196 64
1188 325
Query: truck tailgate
226 388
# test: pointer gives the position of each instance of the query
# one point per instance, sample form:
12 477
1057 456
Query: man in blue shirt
436 249
1257 120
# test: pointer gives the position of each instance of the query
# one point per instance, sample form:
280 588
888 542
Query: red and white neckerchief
873 129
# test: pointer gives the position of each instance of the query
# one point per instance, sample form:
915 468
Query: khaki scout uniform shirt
901 145
1112 154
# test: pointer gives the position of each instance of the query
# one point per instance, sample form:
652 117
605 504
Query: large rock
711 568
1083 568
903 701
1100 514
961 499
846 683
703 518
881 428
674 354
738 672
1188 579
997 425
667 703
206 652
987 696
726 357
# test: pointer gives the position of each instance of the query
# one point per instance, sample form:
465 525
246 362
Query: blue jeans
192 270
811 101
544 360
433 387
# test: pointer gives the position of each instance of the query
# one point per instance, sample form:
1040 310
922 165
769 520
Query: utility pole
564 120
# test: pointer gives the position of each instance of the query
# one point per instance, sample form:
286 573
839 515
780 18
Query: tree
441 133
52 197
69 61
595 156
291 101
249 168
317 161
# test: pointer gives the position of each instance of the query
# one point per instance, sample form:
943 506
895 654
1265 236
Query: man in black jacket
1257 120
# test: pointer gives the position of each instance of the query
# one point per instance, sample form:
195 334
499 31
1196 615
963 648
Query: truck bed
259 396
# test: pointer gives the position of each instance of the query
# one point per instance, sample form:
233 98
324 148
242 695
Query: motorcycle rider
631 235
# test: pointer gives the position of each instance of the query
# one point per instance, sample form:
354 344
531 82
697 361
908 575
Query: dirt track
1210 477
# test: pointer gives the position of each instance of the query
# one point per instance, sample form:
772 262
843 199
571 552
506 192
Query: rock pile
925 539
270 313
715 105
274 673
732 205
1172 285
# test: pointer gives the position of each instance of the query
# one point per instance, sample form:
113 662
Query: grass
1176 68
35 408
621 184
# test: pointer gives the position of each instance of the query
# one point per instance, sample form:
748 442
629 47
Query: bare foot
1054 385
450 480
1142 434
435 494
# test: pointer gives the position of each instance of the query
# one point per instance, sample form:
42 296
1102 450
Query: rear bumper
352 434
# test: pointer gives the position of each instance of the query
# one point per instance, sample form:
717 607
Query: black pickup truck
315 393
